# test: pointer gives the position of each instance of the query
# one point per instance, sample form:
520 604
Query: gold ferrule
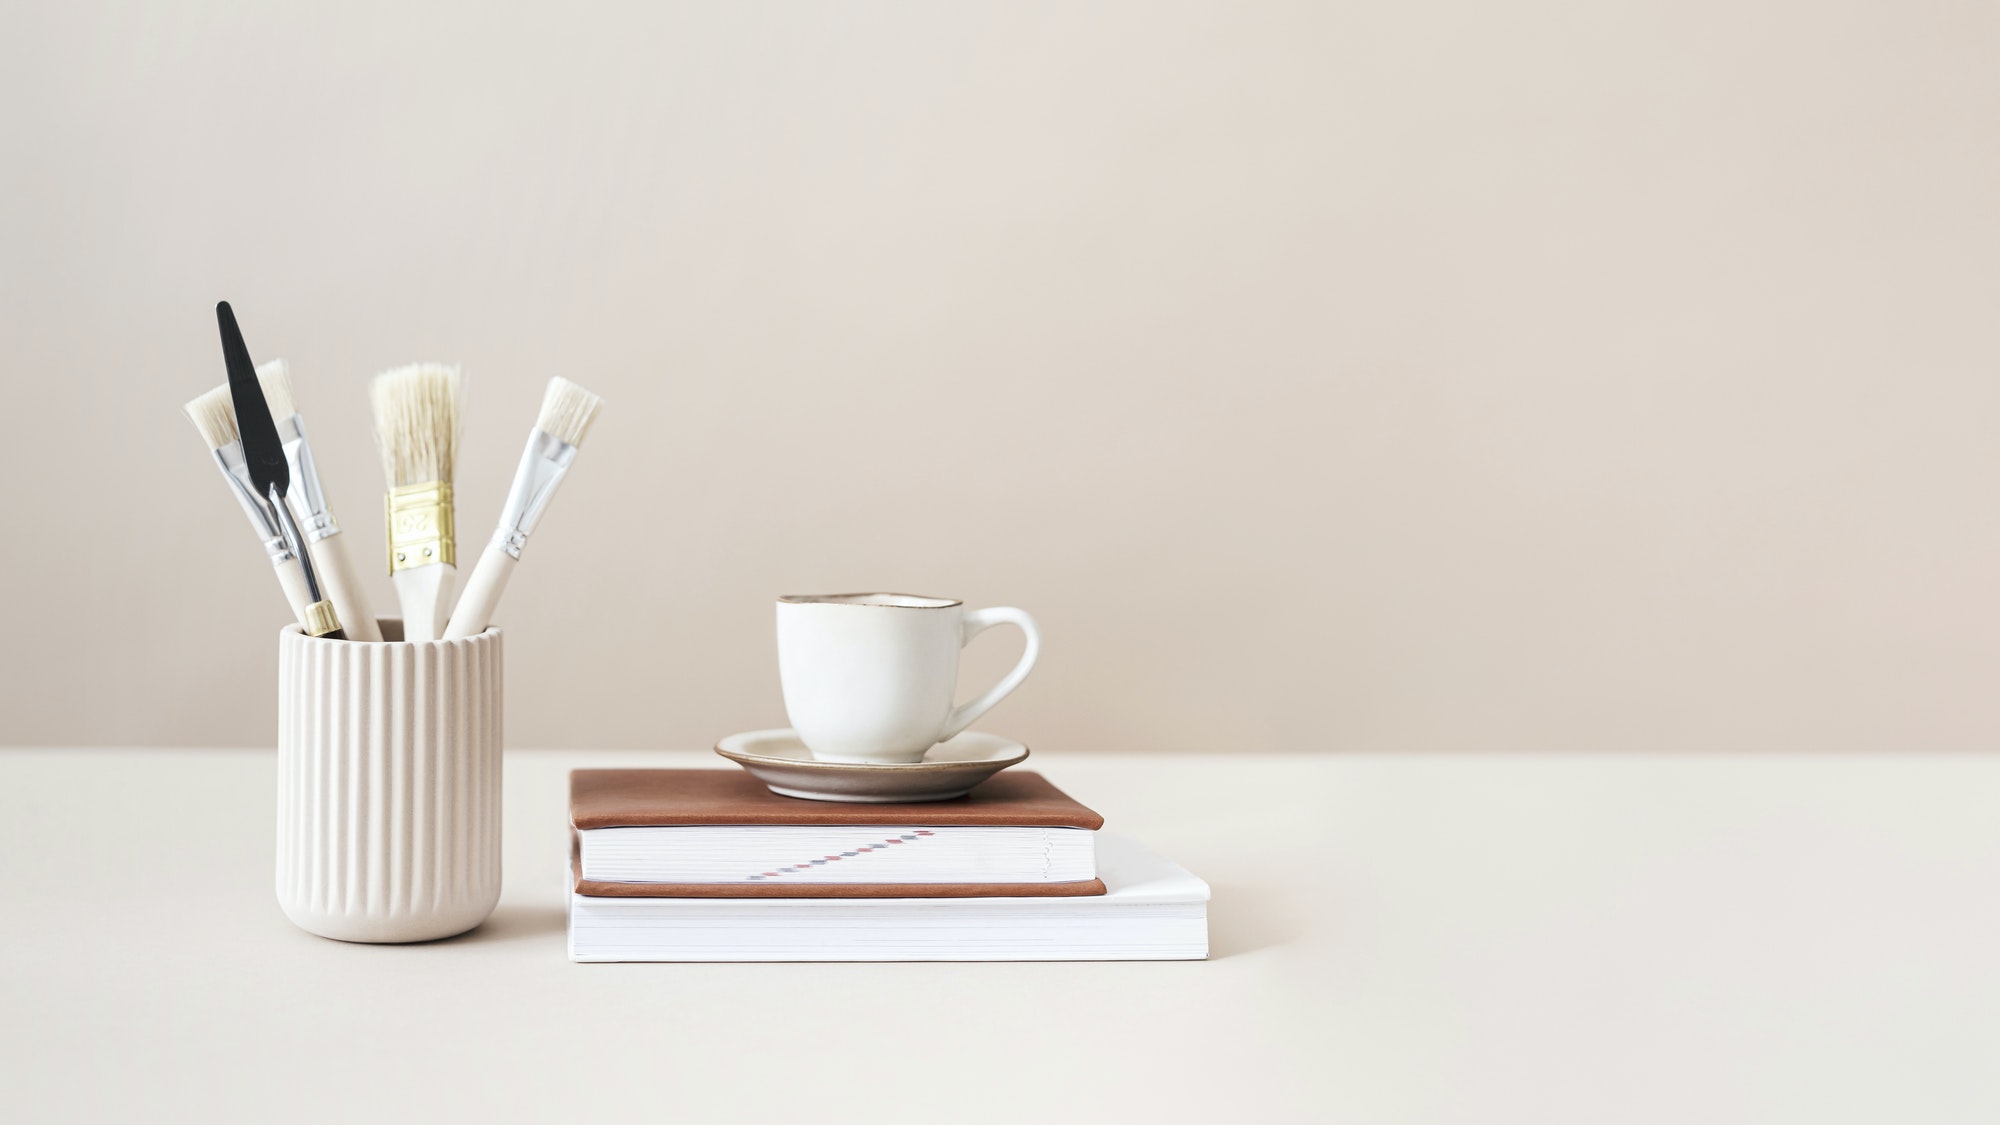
321 620
420 526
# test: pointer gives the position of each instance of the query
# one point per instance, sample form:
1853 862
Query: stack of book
709 865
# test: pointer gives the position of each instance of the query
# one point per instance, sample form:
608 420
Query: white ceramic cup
869 678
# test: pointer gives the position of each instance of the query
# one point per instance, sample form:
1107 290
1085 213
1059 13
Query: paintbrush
264 456
416 424
324 541
215 420
567 411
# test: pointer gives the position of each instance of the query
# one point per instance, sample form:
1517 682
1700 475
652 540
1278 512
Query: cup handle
975 623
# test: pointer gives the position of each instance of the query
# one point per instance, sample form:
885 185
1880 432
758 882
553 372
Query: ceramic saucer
950 769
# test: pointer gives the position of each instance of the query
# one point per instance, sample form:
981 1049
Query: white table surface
1395 939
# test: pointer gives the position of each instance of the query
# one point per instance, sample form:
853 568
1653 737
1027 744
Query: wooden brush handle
292 580
482 594
425 593
343 587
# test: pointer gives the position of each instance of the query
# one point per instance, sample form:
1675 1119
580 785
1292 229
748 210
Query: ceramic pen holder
388 784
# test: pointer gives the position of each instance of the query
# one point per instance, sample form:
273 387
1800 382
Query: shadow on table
1244 919
514 923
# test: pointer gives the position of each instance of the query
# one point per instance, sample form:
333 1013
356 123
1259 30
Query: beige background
1398 376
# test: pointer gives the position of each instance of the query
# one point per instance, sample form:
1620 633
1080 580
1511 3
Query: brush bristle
416 422
276 379
567 411
214 414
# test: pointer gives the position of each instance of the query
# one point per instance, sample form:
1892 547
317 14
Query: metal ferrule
542 467
320 620
421 526
263 517
307 498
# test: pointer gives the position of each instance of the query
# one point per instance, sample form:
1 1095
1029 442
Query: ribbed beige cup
388 784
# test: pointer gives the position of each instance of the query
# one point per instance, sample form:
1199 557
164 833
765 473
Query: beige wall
1324 376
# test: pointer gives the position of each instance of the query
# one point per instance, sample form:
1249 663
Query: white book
1154 910
837 854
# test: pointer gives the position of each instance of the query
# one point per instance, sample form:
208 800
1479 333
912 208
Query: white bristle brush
308 500
214 416
567 411
416 424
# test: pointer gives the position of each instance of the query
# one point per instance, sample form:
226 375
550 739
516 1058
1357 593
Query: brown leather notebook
638 798
675 798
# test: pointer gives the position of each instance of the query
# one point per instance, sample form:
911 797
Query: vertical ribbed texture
388 785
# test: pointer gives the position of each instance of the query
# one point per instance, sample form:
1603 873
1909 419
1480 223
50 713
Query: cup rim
491 634
910 601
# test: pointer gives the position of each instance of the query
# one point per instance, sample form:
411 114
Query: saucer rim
740 756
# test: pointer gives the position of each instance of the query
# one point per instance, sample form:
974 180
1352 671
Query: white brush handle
482 594
339 583
425 592
293 579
